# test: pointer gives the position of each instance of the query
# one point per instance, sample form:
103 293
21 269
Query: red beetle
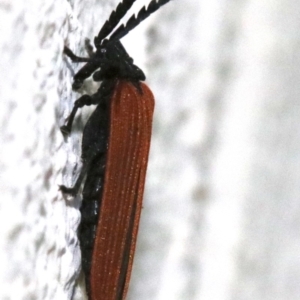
115 148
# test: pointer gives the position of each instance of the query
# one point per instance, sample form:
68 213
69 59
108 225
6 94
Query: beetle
115 148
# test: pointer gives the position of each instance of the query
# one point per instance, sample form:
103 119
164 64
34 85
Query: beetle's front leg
89 47
86 71
73 57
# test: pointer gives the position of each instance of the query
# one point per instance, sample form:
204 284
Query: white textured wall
222 205
39 254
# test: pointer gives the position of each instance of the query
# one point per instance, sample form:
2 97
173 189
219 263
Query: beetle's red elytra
127 156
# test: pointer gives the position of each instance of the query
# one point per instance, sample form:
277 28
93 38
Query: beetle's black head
111 60
114 62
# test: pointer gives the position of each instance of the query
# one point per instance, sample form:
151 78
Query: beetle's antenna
113 20
144 13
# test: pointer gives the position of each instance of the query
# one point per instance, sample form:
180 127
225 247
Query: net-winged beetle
115 147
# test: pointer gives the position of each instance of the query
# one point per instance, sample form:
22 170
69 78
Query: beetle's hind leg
87 165
75 188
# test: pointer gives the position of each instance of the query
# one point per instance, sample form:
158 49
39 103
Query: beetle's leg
98 158
85 72
74 57
89 47
82 101
75 189
102 95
